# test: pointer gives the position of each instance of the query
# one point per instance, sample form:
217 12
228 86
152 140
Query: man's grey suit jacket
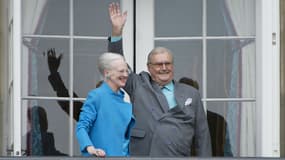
160 131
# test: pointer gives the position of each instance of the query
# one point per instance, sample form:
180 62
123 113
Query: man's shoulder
182 86
142 76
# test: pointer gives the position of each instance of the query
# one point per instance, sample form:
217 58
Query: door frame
268 73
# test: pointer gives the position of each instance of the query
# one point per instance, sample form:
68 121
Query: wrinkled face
161 68
118 74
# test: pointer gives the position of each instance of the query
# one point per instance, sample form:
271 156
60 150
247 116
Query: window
213 42
216 41
77 32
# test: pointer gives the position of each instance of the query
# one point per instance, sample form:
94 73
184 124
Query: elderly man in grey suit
168 114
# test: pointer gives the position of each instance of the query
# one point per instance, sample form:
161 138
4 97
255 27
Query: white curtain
33 17
241 15
32 13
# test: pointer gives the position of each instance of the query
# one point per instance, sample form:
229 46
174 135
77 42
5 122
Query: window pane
91 17
45 128
232 128
231 18
231 69
45 17
187 58
35 68
178 19
86 74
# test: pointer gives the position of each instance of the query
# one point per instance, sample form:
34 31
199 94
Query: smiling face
160 65
117 75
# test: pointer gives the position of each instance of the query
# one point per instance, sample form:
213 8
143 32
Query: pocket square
188 101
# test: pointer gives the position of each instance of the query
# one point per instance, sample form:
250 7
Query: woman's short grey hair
105 60
158 50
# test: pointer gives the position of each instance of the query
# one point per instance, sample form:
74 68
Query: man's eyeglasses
161 64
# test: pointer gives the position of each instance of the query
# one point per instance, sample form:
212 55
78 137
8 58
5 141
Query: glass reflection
231 18
45 17
171 21
86 74
44 134
35 67
232 126
95 14
231 68
58 84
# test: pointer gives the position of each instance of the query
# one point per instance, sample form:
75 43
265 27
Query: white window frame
268 74
16 75
128 32
16 47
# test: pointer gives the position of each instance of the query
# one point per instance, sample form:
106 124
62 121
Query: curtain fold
239 16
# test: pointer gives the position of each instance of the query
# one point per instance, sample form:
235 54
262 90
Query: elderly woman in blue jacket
106 119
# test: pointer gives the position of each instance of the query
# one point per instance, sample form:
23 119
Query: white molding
17 76
267 70
144 32
71 49
128 32
276 78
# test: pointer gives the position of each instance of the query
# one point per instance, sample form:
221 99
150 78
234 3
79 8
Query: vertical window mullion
204 52
71 44
17 37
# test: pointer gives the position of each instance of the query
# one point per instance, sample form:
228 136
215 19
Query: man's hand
95 152
118 19
53 61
